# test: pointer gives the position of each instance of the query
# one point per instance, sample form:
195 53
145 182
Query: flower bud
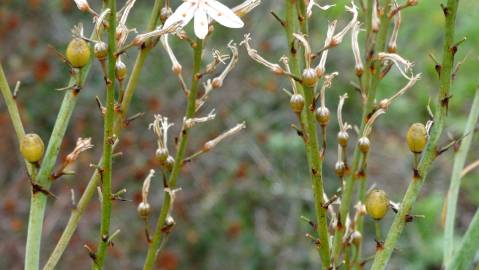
165 13
309 77
297 103
143 210
377 203
364 144
78 53
120 70
416 137
322 115
343 138
356 238
101 50
161 155
32 147
340 168
169 224
168 164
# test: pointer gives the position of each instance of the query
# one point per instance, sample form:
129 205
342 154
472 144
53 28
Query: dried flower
160 127
402 64
321 67
191 122
245 7
81 146
375 17
202 10
338 38
312 3
212 143
394 35
218 81
82 5
175 65
358 67
256 57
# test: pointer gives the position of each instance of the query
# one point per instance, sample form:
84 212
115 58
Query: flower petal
184 13
223 15
201 22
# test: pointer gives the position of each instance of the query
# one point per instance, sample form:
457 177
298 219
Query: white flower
201 10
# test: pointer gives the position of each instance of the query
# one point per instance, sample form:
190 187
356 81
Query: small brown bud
165 13
297 103
377 204
101 50
120 70
356 238
143 210
161 155
384 104
309 77
364 144
168 164
322 115
343 138
340 168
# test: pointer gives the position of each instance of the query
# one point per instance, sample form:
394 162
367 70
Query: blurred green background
240 204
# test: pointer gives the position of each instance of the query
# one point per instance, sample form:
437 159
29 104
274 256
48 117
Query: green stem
459 161
14 114
38 200
370 81
465 254
167 200
108 140
383 256
90 190
317 179
308 120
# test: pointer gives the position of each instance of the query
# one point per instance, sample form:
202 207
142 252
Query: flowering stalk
108 140
167 199
308 121
38 200
120 123
369 83
430 153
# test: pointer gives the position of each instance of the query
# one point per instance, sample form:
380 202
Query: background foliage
240 205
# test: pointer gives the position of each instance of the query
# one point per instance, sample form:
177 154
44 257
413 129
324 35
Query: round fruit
32 147
78 52
416 137
377 203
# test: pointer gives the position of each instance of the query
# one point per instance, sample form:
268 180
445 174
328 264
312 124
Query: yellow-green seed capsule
297 103
377 203
32 147
322 115
120 70
309 77
143 210
416 137
364 144
101 50
78 53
